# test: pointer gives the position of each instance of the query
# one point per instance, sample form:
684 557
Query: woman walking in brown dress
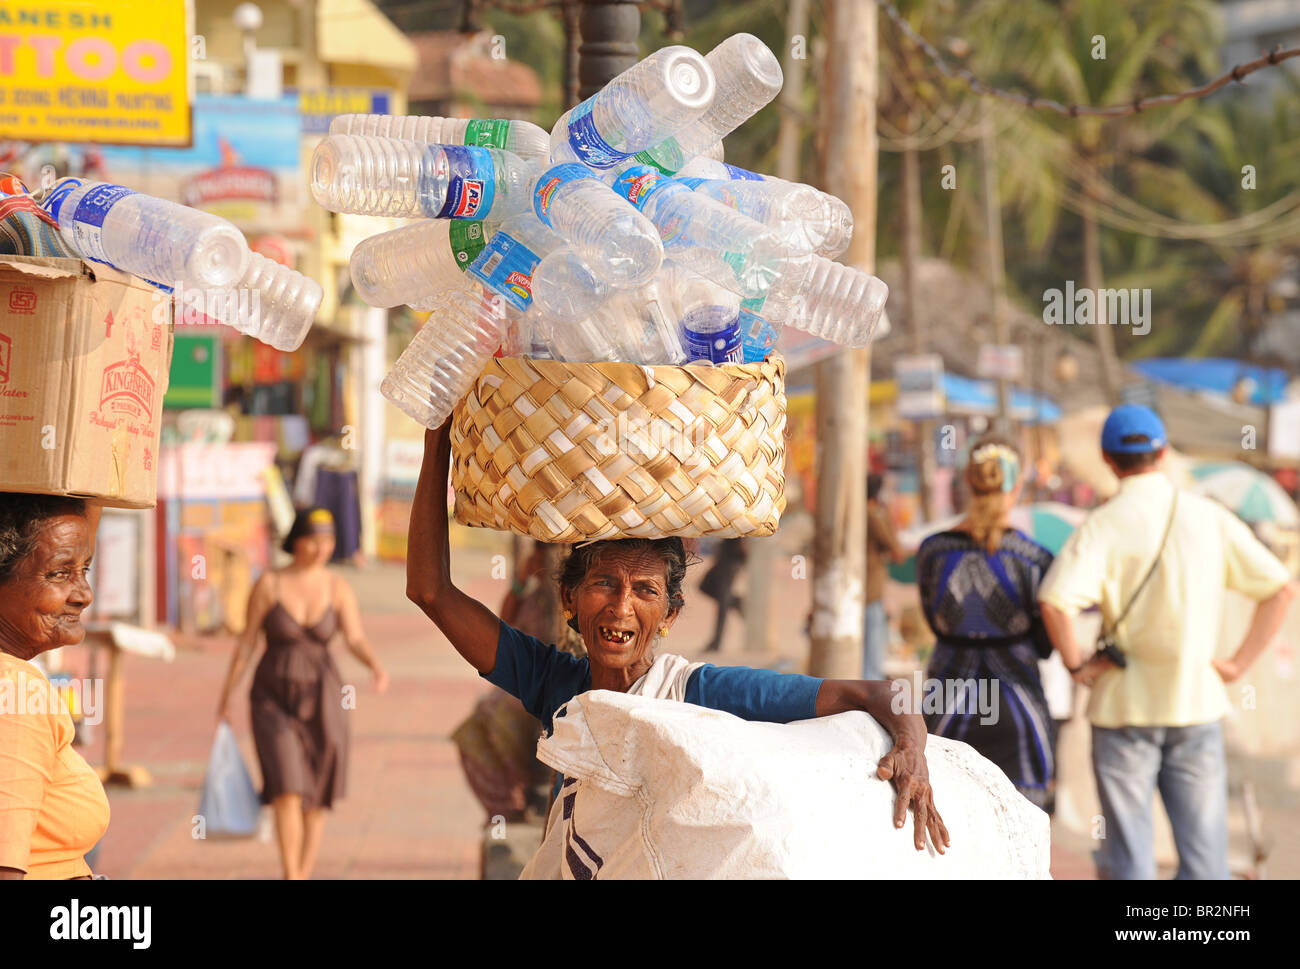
298 702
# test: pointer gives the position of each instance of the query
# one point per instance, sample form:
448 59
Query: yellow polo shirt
1172 631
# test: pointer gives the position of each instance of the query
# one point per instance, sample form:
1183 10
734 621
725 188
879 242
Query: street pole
610 30
761 552
996 258
910 226
849 171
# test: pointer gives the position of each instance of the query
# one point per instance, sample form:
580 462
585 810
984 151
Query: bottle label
638 183
742 173
487 132
53 203
592 150
552 179
467 241
757 337
506 266
716 346
472 183
665 157
690 181
88 220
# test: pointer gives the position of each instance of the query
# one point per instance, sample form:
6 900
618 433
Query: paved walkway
408 812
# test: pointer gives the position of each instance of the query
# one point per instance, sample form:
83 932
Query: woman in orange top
52 806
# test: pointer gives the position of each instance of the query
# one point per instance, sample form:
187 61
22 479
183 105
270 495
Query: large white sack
664 789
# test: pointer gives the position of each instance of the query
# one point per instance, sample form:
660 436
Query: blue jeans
875 641
1187 765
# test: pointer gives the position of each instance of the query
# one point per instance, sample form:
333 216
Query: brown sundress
299 723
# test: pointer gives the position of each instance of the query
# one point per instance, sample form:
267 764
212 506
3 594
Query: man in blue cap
1156 560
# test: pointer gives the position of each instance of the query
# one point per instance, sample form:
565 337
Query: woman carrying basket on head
623 597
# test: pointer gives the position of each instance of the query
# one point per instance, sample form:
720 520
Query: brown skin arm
904 765
469 625
260 602
354 636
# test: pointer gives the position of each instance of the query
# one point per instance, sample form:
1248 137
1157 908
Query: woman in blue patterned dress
979 593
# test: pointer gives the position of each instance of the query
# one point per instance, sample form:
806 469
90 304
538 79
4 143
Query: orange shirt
52 806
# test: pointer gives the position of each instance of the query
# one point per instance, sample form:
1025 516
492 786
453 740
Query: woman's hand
905 767
1228 669
381 679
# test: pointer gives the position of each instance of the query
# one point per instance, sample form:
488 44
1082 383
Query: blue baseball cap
1129 421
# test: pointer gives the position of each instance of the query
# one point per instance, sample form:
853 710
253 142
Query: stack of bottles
620 235
192 254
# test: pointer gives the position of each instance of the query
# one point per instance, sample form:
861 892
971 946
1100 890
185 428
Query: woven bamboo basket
567 452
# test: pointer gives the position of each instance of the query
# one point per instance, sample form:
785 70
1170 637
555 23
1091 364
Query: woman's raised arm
470 626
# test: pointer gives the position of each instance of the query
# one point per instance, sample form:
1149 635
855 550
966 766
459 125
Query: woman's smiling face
620 604
41 604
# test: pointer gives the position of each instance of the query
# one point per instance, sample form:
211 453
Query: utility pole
761 552
849 171
610 30
911 259
996 258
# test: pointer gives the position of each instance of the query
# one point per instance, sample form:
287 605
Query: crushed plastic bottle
522 138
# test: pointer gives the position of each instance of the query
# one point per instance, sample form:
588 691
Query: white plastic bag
657 789
229 804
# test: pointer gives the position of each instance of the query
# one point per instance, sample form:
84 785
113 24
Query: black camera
1106 647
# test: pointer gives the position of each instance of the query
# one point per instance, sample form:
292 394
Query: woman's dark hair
575 566
21 519
306 522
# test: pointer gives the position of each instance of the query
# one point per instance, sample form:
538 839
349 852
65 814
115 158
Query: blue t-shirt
544 679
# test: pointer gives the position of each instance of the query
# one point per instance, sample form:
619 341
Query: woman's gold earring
567 614
663 631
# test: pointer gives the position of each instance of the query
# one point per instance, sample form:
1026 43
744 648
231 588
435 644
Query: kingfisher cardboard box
84 356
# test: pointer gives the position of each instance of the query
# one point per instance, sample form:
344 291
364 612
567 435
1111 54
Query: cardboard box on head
85 352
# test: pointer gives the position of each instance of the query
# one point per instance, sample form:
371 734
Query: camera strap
1173 507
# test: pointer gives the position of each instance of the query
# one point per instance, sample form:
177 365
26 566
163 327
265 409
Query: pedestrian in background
1156 560
299 719
717 584
882 545
979 593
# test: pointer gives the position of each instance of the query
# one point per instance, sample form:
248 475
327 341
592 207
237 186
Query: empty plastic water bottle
835 220
709 317
757 336
284 303
506 264
710 238
523 138
417 262
827 299
641 107
406 179
619 243
566 289
797 214
161 241
748 76
440 365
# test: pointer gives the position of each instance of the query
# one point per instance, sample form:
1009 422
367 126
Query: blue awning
969 396
1215 374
